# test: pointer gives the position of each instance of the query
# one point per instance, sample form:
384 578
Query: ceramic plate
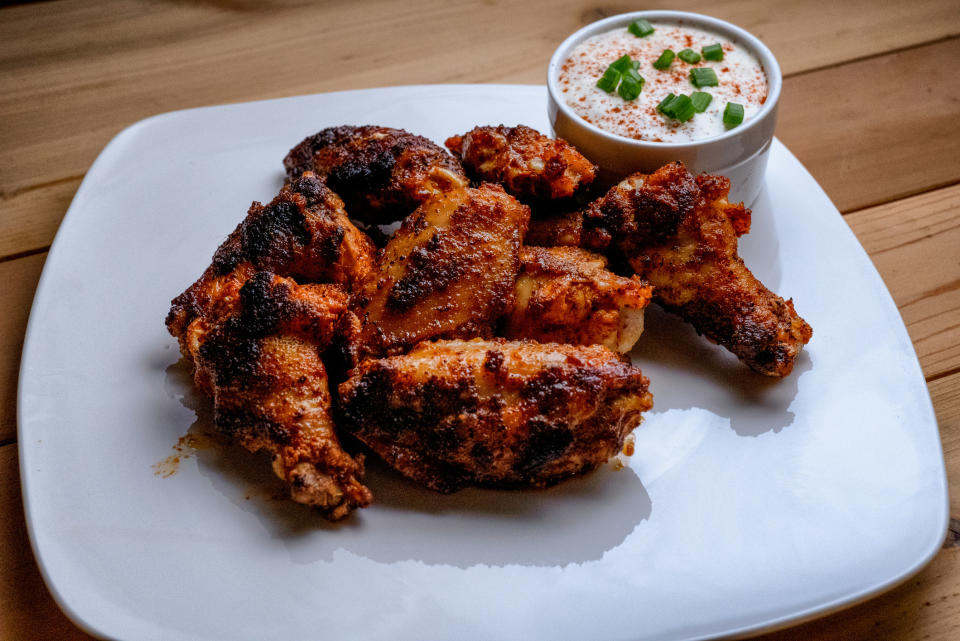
749 503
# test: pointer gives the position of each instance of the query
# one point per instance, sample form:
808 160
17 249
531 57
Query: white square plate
749 502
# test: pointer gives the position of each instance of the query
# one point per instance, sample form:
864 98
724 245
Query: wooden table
871 106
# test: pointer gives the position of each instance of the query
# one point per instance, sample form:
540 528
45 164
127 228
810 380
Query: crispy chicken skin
253 338
259 360
303 233
381 173
680 234
566 295
448 272
527 163
494 413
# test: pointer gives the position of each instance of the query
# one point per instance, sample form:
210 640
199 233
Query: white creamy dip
740 75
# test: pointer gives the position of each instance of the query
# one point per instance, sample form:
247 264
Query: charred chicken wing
527 163
448 272
494 413
260 362
381 173
680 234
566 295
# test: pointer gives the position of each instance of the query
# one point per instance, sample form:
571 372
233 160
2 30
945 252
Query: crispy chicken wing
527 163
381 173
448 272
680 234
566 295
494 413
303 233
260 362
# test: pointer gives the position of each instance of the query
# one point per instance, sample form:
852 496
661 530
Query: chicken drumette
254 338
494 413
680 234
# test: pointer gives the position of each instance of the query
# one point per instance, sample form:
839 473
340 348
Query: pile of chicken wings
483 341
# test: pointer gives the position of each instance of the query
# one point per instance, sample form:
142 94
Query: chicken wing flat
260 362
566 295
527 163
494 413
680 234
448 272
381 173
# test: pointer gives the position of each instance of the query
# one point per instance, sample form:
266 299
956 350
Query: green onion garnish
664 60
732 114
622 64
608 82
701 100
682 108
630 86
664 105
690 56
703 77
713 52
640 28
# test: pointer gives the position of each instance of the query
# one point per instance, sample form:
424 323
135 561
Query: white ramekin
740 154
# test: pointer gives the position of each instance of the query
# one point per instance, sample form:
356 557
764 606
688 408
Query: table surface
73 74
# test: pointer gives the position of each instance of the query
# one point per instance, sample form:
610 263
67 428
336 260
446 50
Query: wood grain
19 278
915 245
103 65
27 611
863 151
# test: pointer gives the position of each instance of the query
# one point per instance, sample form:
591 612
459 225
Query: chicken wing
303 233
527 163
260 362
448 272
566 295
680 234
381 173
494 413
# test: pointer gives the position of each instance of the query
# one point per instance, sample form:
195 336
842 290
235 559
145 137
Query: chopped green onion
636 64
622 64
689 55
713 52
630 87
608 82
663 62
703 77
701 100
640 28
682 108
664 105
732 114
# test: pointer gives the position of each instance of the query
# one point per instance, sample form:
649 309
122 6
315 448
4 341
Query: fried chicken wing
494 413
303 233
566 295
448 272
680 234
527 163
260 362
381 173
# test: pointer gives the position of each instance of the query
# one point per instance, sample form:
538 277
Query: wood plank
945 394
914 244
65 95
29 611
863 151
19 278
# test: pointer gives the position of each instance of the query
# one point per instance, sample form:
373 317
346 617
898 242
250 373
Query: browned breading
303 233
527 163
680 234
448 272
566 295
494 413
381 173
260 362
